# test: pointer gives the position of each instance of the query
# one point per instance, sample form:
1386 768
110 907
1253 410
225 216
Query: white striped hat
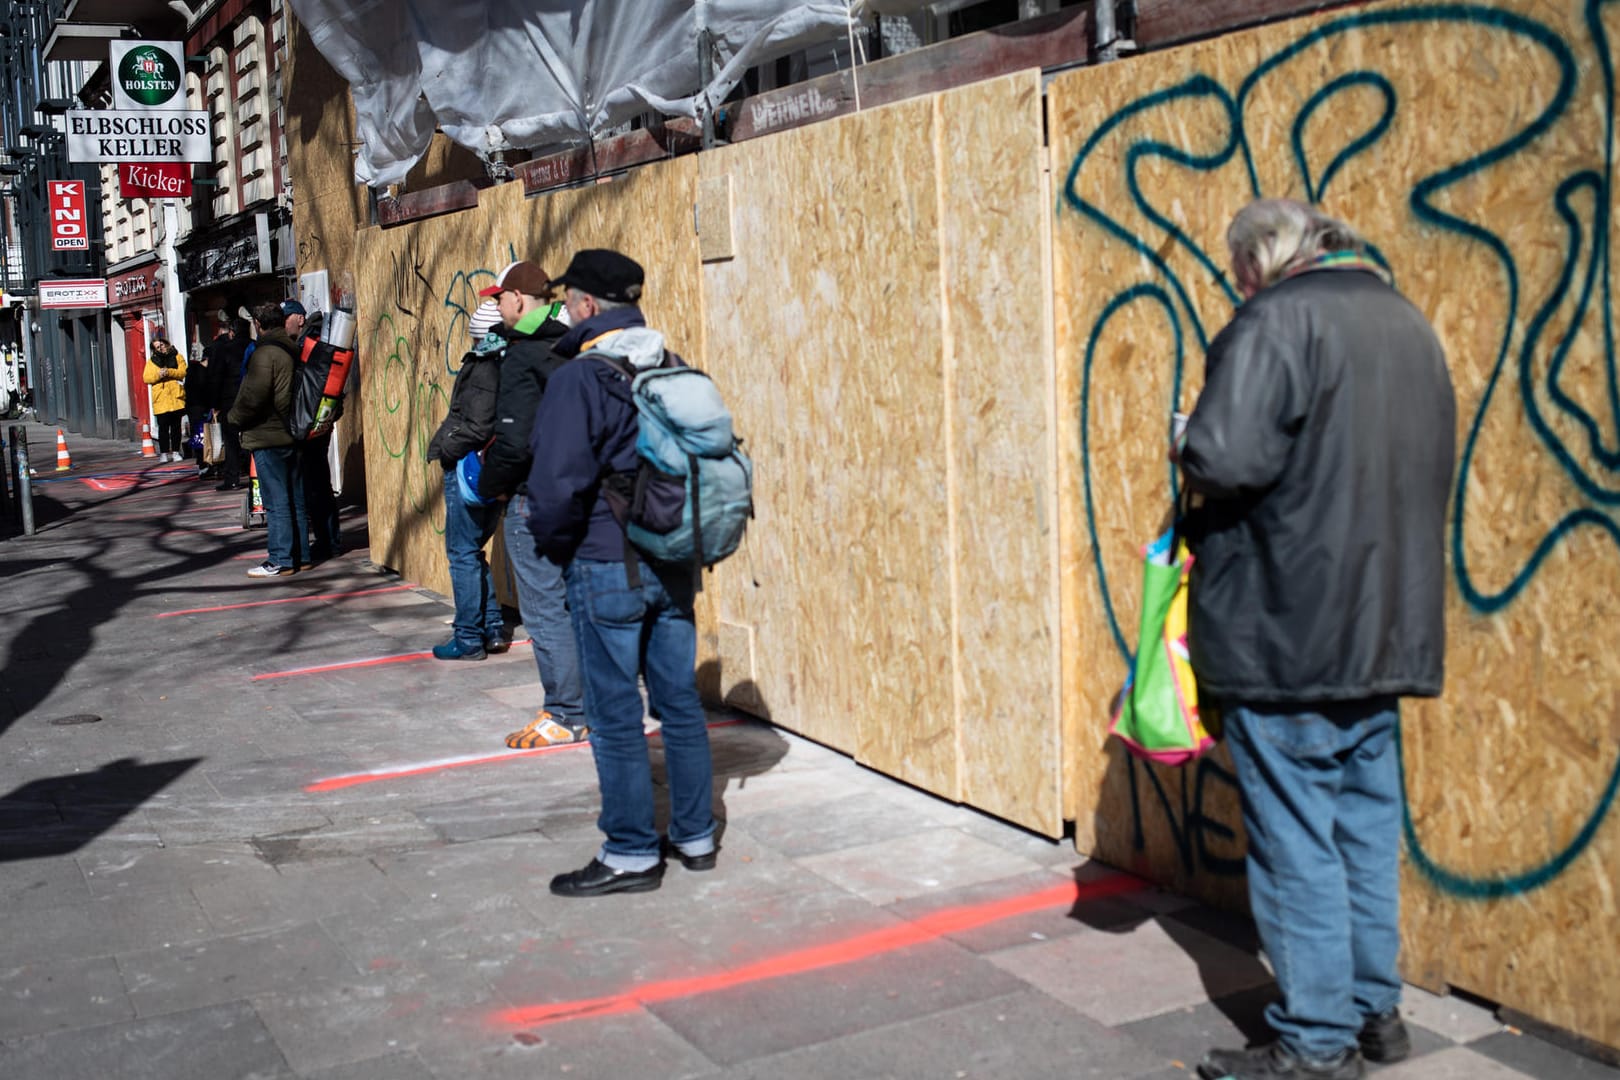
484 318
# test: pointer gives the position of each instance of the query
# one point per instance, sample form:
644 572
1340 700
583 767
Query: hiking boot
454 649
547 730
1274 1062
1384 1038
270 569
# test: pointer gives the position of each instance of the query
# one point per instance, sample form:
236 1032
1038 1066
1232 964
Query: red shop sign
69 227
154 180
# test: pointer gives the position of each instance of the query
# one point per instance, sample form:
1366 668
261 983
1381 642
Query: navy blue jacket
585 430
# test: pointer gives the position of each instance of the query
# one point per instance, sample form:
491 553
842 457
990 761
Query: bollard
16 437
25 490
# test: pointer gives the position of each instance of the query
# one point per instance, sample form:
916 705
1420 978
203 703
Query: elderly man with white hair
1320 455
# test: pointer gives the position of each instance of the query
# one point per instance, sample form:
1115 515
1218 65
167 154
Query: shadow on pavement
58 815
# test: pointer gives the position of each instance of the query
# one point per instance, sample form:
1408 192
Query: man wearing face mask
532 324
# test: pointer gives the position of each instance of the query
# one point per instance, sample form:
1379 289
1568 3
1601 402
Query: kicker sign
69 226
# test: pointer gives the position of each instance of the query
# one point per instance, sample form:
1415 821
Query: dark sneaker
1273 1062
455 650
1384 1039
599 879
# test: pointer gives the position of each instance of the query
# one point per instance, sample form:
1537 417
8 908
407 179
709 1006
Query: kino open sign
69 224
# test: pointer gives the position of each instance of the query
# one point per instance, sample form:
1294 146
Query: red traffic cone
63 460
147 449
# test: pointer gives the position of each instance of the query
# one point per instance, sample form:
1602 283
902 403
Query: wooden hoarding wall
1473 145
883 329
879 319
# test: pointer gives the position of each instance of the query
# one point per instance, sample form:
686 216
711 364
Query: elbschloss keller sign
148 121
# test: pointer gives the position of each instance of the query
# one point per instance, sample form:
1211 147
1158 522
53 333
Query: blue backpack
690 497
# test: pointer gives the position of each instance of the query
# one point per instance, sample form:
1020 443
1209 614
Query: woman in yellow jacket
166 375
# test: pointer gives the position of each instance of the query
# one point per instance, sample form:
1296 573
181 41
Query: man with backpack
631 618
533 323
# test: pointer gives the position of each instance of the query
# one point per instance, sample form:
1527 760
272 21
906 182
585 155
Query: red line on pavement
209 529
284 600
833 954
375 661
336 783
216 508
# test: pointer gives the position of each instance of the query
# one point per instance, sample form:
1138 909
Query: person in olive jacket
263 404
1322 449
166 375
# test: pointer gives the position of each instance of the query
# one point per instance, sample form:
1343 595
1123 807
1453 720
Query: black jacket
1323 445
225 371
471 419
199 390
528 364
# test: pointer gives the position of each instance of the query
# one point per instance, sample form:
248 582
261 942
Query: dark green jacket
265 399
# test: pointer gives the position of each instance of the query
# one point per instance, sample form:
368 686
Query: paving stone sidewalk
248 868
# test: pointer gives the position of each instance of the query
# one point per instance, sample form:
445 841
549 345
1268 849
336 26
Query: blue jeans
281 486
1322 805
625 633
466 530
543 602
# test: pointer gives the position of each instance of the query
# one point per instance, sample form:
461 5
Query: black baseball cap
604 274
292 307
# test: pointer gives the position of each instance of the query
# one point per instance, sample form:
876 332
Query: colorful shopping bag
1157 717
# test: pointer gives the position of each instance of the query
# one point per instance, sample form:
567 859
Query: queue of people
295 482
533 429
1319 455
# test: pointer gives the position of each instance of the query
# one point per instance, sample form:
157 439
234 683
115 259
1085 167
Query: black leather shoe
1384 1038
1273 1062
696 863
599 879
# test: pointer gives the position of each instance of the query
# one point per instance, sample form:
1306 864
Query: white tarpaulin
498 74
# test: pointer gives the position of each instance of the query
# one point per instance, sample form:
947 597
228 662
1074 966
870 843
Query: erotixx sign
69 223
154 180
148 75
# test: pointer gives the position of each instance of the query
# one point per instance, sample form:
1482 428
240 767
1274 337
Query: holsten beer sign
149 121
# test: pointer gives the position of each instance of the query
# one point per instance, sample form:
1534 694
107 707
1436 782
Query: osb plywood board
417 285
825 330
318 112
1488 196
999 427
892 377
